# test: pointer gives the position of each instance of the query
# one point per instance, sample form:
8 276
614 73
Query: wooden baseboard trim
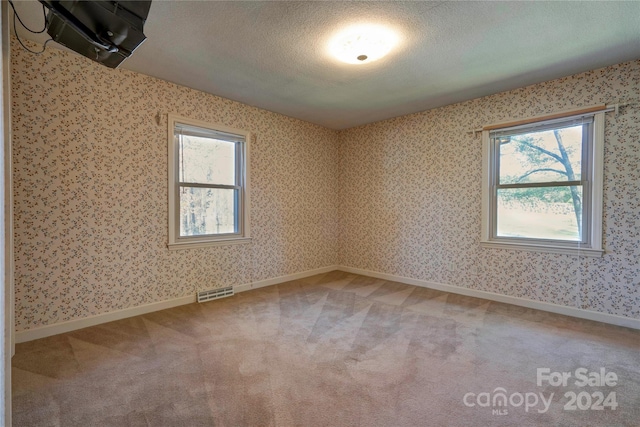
72 325
282 279
523 302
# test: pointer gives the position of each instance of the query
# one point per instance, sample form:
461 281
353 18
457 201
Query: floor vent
212 294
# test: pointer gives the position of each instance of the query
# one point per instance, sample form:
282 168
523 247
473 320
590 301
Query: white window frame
176 241
592 185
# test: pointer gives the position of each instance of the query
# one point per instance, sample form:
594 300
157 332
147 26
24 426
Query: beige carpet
331 350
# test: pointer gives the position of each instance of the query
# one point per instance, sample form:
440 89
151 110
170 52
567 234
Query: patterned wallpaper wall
411 196
90 188
400 197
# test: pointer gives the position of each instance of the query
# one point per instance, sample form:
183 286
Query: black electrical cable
26 48
44 11
15 29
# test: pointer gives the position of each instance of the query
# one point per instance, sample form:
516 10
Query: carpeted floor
331 350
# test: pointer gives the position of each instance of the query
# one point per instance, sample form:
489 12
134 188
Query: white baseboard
282 279
524 302
72 325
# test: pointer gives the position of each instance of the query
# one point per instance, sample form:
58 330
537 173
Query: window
208 184
542 186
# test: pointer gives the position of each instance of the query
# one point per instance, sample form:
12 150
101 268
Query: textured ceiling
273 54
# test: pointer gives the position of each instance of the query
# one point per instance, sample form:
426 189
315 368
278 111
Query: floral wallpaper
400 196
90 189
410 198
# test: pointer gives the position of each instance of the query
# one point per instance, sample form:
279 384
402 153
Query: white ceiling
273 54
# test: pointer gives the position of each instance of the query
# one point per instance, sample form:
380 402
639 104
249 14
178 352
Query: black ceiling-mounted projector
104 31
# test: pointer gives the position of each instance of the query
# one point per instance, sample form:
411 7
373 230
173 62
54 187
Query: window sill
208 243
532 247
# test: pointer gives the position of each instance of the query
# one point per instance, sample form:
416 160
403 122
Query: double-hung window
542 187
208 184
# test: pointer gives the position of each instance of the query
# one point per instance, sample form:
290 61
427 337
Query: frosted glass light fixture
363 43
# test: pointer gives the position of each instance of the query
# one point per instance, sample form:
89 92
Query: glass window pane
540 213
206 161
207 211
543 156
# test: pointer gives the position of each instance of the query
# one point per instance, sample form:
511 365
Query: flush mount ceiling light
363 43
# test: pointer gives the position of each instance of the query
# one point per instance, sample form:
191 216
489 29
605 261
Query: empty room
325 213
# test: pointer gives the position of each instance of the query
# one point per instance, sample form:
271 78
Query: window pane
540 213
206 161
545 156
207 211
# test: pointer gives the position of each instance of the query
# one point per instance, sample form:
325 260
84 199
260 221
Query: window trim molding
175 242
596 201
